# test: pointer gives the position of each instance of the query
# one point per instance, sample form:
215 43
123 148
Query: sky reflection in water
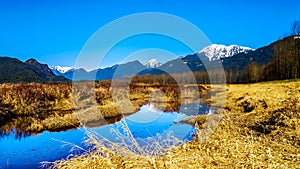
29 151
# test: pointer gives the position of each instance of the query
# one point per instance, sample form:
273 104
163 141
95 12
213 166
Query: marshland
258 126
33 112
36 107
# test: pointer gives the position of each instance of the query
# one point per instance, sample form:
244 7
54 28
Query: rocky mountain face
59 70
216 52
152 63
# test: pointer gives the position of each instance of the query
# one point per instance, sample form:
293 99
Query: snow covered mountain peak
152 63
60 69
216 51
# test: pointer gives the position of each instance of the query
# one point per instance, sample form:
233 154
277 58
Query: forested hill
278 61
15 71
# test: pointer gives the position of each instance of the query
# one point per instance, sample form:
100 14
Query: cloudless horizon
54 31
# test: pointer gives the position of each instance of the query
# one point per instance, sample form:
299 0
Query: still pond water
30 151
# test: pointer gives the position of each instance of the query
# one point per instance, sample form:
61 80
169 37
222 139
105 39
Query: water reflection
18 127
102 122
138 132
193 109
145 126
17 132
189 108
29 151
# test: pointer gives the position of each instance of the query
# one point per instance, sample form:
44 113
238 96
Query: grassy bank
36 107
259 129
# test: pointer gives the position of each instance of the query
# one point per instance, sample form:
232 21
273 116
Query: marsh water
30 150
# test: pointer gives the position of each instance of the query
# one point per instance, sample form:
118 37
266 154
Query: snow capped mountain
215 51
59 69
152 63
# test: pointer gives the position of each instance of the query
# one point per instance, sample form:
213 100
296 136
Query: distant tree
287 58
295 28
251 73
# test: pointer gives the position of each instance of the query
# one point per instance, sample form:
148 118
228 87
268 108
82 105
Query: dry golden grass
259 129
35 107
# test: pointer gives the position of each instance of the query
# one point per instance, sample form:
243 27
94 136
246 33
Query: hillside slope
15 71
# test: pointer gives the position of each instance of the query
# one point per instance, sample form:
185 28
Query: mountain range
127 69
209 54
116 71
232 57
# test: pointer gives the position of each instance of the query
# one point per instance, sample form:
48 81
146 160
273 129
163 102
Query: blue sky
54 31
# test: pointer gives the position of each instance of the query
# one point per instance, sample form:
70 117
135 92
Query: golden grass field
259 128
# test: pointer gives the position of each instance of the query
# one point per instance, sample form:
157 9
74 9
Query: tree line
284 65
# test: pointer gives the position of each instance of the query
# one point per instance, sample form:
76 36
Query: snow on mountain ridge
216 51
60 69
152 63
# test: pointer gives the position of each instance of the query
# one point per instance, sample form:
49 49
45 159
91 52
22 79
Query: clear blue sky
54 31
